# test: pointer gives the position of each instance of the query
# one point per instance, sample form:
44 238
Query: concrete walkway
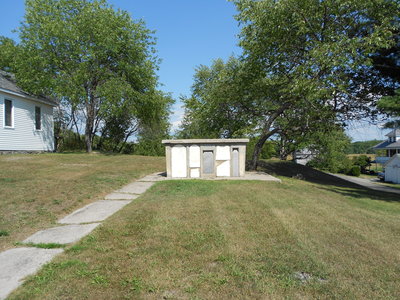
18 263
368 183
260 176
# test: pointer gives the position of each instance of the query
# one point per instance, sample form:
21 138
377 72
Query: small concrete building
392 169
200 158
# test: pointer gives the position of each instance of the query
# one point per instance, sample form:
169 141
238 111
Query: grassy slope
38 189
231 239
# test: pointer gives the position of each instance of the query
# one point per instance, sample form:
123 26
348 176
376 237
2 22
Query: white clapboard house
26 121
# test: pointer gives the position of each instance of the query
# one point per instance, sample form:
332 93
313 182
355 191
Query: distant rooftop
394 132
388 145
8 83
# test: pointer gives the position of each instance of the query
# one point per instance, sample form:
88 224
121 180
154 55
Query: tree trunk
90 117
283 151
257 151
88 138
125 139
74 123
266 133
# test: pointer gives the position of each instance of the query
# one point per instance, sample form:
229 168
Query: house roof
388 145
8 85
394 132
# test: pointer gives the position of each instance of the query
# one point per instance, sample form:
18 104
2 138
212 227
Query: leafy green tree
306 52
93 56
149 123
153 130
363 161
330 147
217 107
386 68
8 50
391 106
296 74
229 101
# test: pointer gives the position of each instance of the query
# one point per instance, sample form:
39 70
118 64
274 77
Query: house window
38 118
8 116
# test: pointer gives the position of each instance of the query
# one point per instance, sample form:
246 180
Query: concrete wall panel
195 173
223 153
224 169
178 161
194 156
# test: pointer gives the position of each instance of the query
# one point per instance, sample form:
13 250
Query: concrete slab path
18 263
61 234
137 187
94 212
368 184
155 177
121 196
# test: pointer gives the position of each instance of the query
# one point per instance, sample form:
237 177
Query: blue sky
189 33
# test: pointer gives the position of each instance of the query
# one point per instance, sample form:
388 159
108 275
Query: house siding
23 136
392 170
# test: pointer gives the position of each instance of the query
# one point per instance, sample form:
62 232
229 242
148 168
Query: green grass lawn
236 239
36 190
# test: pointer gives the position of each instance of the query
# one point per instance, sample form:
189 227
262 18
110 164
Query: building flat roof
206 141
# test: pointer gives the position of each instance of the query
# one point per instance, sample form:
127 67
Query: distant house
26 121
391 161
392 169
391 145
303 156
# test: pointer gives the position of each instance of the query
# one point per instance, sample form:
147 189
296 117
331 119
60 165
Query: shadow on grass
335 184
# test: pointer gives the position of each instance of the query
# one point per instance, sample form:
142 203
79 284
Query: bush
330 146
68 140
149 147
363 161
336 164
354 171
